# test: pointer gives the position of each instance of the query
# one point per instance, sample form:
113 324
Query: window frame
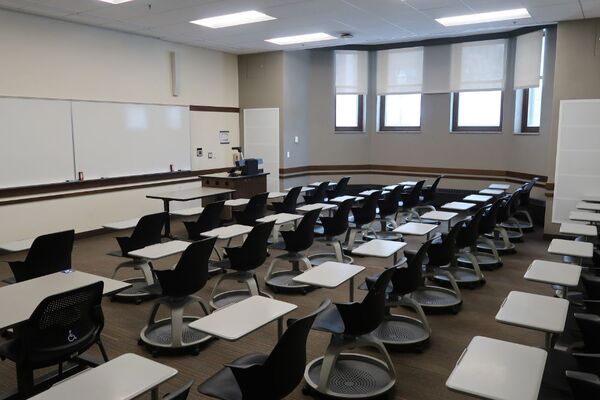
361 116
388 128
525 114
485 129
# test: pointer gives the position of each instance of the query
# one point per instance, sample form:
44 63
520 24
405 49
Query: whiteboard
261 140
116 139
36 145
577 156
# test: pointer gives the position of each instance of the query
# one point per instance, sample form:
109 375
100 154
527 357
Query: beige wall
47 58
577 77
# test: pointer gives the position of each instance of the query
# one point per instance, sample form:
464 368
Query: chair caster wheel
195 351
138 302
113 299
455 310
154 354
140 342
306 391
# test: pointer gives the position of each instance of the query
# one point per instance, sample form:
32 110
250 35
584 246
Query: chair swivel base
513 236
282 282
157 337
401 332
501 247
384 235
318 259
524 225
464 277
136 293
437 299
354 376
225 299
486 261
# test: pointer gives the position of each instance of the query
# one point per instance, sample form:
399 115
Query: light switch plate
211 155
296 140
199 152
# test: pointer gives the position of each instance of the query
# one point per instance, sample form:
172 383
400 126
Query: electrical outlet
287 154
296 140
199 152
210 155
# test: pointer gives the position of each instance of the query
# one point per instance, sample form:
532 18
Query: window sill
349 132
413 131
527 133
477 132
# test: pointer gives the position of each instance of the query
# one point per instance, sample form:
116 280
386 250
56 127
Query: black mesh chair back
148 231
468 234
442 250
515 200
389 205
368 212
584 386
255 209
253 253
338 224
490 217
318 195
191 272
48 254
290 202
430 192
362 318
589 325
181 393
284 368
508 207
304 235
339 189
407 280
61 326
526 191
209 219
412 198
591 286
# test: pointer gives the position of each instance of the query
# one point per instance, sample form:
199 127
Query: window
531 113
349 111
477 111
351 86
400 112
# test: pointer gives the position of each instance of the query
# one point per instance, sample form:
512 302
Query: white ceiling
370 21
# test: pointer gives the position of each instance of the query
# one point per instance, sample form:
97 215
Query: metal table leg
351 282
279 327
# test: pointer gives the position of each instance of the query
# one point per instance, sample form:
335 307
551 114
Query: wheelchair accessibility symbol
71 338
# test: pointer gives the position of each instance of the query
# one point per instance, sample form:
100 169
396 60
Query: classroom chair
466 241
48 254
410 201
429 193
329 233
61 328
319 195
363 218
176 288
339 189
243 260
584 386
522 208
255 209
441 252
266 376
351 326
147 232
403 331
181 393
296 242
487 225
209 219
289 203
386 213
499 235
510 222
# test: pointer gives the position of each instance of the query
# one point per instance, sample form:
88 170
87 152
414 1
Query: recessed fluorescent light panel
494 16
309 37
116 1
241 18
